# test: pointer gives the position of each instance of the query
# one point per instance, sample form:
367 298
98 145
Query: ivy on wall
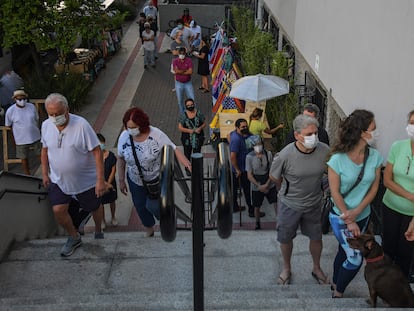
258 53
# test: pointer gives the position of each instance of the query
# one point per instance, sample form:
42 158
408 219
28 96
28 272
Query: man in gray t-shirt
300 166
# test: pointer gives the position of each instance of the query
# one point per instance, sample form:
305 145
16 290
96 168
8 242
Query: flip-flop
282 281
320 280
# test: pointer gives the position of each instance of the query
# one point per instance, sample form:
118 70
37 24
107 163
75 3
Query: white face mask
374 137
310 141
21 102
134 132
258 148
181 56
58 120
410 131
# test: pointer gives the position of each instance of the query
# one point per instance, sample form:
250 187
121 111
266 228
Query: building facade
348 55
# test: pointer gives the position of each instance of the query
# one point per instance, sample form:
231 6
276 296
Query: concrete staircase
126 271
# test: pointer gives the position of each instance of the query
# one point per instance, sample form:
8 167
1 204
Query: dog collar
375 259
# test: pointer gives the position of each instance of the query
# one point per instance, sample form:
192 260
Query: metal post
197 208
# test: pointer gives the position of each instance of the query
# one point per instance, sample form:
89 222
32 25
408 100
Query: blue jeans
347 261
149 58
147 209
180 89
196 43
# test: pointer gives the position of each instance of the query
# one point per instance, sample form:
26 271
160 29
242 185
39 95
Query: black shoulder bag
328 206
152 187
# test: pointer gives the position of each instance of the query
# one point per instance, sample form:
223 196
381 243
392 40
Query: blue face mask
180 26
102 146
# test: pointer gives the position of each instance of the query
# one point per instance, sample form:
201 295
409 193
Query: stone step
151 300
127 270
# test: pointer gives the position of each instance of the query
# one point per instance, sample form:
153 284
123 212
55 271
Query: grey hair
303 121
57 98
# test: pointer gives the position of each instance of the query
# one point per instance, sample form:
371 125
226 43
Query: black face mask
190 108
244 131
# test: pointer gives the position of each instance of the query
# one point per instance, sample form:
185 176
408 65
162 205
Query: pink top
184 64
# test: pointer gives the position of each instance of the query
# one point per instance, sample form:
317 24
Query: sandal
205 91
321 281
201 88
282 281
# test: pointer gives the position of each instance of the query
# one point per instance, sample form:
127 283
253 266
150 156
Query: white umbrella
259 87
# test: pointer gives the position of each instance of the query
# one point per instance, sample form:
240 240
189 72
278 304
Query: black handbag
328 205
153 186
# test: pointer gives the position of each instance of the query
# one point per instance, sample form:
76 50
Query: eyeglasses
60 139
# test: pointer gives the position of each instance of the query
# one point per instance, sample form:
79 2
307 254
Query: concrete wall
365 54
26 215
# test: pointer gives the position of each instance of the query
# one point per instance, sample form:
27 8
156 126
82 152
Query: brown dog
384 278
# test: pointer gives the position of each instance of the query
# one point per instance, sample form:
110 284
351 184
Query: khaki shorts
289 220
22 151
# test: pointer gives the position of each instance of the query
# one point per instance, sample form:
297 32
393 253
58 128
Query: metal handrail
225 194
168 216
18 191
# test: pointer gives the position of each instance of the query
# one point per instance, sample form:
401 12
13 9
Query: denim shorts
87 199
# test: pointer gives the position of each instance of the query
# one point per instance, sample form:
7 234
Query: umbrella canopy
259 87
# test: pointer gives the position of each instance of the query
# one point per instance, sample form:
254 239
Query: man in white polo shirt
23 119
72 166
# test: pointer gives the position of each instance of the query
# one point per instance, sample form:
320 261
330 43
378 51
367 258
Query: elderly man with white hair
72 167
23 118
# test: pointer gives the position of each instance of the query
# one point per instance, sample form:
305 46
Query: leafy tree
51 24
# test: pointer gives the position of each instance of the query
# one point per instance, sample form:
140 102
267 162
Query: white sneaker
114 222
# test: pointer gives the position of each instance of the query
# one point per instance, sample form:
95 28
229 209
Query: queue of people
188 42
353 166
292 178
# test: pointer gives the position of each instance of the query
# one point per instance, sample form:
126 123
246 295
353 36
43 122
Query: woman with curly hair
148 142
354 175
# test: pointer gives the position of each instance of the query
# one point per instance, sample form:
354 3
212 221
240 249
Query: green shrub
72 85
129 11
258 54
